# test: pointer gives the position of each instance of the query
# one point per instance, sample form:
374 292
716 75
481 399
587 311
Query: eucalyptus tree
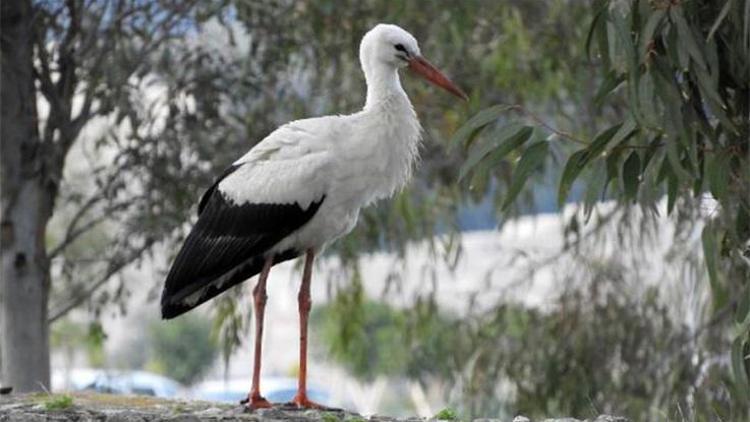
673 84
638 101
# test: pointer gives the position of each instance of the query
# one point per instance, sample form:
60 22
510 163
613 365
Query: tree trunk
26 199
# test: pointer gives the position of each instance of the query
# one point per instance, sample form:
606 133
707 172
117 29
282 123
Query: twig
114 268
74 233
521 109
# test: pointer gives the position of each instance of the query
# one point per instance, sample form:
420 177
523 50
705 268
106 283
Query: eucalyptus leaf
600 16
711 257
648 31
572 169
719 19
742 317
501 143
613 167
673 186
622 132
611 81
647 108
741 365
687 39
631 172
579 159
594 189
718 174
466 133
533 157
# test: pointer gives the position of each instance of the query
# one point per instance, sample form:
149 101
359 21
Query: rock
92 407
600 418
610 418
562 420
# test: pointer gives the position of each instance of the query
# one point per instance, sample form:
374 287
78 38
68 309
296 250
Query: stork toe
302 402
256 402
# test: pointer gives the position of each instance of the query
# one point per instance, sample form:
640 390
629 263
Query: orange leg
304 302
254 399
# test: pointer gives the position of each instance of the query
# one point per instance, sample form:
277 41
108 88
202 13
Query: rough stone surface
91 407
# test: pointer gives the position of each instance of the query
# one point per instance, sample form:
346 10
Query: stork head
390 46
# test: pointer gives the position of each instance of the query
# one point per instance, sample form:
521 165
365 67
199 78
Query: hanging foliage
677 75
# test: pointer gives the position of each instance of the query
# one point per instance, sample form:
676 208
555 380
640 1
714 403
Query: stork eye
400 47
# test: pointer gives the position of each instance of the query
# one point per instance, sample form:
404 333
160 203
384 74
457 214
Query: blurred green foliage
593 350
678 72
376 339
69 337
182 348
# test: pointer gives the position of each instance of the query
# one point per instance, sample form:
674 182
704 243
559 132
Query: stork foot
300 401
256 402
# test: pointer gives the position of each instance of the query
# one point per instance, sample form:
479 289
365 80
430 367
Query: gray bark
26 199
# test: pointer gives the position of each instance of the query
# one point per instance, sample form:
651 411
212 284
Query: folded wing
262 198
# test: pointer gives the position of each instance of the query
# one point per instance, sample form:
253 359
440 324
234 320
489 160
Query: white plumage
352 159
302 187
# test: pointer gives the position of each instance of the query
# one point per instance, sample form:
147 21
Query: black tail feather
176 303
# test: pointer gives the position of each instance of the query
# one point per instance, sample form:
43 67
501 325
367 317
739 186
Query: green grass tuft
446 414
330 417
58 402
355 419
180 408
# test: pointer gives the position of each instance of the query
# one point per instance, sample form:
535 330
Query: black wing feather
226 247
204 199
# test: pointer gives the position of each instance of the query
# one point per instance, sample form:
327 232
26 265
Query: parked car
115 382
274 389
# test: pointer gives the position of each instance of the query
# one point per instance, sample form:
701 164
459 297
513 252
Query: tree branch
73 233
521 109
115 266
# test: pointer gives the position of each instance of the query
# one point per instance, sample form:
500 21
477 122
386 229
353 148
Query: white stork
301 188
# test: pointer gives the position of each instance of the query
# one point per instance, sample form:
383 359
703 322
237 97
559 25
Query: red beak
426 70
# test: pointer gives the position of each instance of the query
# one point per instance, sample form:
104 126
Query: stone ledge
90 407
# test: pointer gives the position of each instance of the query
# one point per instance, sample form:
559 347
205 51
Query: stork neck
383 85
